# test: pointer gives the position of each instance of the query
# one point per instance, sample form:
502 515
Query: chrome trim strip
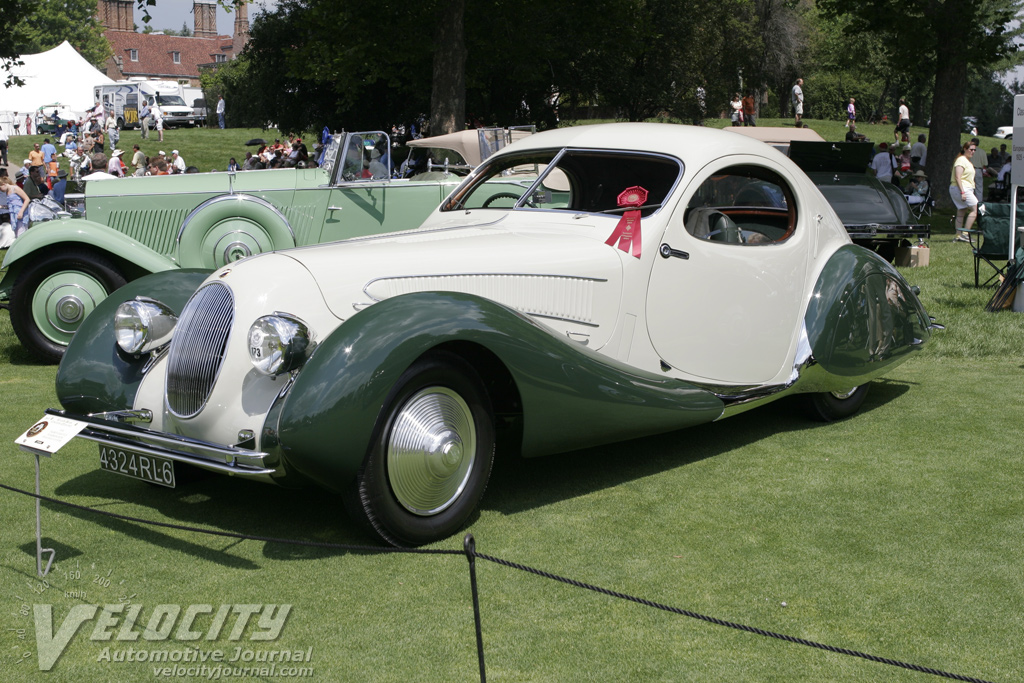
129 416
228 459
566 320
524 275
232 198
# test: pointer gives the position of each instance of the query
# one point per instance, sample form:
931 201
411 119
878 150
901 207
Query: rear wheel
829 406
431 457
53 295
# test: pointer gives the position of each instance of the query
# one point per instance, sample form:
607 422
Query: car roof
693 143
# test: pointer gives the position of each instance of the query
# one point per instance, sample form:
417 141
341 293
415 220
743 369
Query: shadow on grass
254 509
222 504
523 484
64 551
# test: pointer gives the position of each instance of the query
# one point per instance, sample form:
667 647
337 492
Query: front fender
94 375
571 397
863 317
57 234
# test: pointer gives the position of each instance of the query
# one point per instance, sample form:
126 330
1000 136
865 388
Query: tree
448 92
54 21
950 36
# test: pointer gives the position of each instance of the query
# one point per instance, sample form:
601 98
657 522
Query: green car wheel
53 295
430 460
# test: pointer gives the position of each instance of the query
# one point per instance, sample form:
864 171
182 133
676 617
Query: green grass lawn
898 532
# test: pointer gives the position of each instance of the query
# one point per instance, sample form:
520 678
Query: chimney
241 36
116 15
205 16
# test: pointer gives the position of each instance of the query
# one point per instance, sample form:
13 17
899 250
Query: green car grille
155 228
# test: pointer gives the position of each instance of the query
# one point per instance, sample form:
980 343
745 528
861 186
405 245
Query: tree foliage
951 37
376 60
51 22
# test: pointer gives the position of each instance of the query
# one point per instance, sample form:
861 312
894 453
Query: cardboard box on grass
914 256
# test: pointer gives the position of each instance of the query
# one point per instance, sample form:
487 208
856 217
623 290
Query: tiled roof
155 56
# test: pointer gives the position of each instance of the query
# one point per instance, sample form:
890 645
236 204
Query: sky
172 14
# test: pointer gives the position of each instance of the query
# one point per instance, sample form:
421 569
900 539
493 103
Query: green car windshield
575 180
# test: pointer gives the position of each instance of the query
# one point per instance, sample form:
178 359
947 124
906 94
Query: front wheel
53 295
829 406
431 457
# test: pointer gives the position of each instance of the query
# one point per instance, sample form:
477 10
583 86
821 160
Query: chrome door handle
665 250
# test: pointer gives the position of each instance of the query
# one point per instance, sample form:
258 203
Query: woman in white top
737 110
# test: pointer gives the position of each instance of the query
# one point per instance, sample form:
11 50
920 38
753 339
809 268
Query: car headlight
143 325
279 343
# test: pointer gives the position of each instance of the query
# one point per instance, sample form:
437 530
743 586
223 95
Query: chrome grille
197 349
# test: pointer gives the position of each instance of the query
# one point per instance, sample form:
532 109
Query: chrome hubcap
70 309
236 251
842 395
431 450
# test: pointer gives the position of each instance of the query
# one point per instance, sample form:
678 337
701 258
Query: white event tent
58 75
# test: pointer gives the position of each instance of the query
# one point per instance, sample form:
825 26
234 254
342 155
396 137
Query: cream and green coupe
650 277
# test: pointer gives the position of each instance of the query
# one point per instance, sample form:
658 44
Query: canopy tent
58 75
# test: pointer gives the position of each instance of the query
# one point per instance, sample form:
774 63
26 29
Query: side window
573 180
745 205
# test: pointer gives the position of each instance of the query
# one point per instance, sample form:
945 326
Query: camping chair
924 208
990 241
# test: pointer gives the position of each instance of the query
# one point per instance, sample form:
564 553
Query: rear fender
571 397
863 317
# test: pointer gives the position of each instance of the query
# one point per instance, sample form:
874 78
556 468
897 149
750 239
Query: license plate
151 468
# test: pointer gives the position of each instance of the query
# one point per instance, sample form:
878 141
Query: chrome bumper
204 454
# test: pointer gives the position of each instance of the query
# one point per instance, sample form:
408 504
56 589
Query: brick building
163 57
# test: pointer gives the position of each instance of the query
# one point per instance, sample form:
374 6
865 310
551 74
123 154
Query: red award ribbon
627 232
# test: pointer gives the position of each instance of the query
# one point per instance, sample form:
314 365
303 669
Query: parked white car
583 286
1005 132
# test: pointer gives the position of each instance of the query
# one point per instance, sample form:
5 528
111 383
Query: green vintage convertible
60 270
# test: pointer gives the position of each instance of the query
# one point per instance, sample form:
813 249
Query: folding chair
990 241
924 208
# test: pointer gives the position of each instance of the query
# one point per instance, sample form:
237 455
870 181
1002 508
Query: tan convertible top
776 135
470 143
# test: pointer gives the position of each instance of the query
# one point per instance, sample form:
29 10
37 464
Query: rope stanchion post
40 570
469 545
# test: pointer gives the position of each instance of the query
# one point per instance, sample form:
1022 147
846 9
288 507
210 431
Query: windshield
576 180
170 100
366 156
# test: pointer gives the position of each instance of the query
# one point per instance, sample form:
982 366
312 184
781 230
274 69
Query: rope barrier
469 551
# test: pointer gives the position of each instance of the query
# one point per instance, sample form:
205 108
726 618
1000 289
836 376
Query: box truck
124 99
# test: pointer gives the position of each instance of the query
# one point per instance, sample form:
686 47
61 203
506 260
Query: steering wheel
508 195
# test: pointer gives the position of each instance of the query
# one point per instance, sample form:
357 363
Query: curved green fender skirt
863 317
94 375
571 397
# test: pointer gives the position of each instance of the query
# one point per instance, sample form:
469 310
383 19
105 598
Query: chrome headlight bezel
143 325
279 343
